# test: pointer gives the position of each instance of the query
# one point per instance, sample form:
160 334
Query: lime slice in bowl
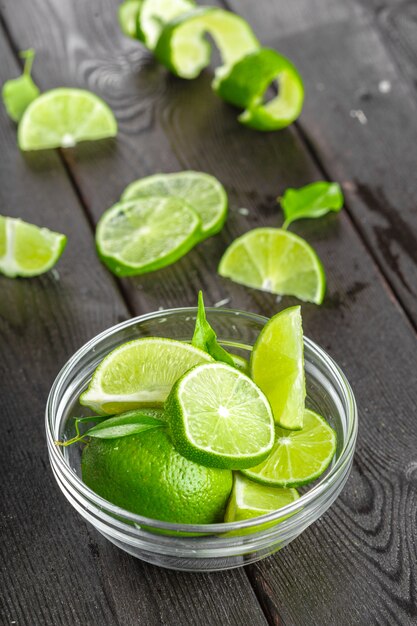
140 373
201 191
274 260
26 249
60 118
146 234
298 456
277 367
218 417
154 14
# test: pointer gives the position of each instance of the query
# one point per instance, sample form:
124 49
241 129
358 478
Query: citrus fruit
140 373
201 191
128 13
218 417
277 367
60 118
274 260
26 249
146 234
154 14
298 456
144 474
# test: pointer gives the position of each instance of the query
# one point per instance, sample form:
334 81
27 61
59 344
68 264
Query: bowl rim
335 474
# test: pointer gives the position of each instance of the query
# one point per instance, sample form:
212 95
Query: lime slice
250 499
218 417
201 191
298 456
246 82
277 367
274 260
183 48
60 118
153 16
140 373
128 13
27 250
146 234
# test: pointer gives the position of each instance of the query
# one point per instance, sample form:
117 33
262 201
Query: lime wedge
60 118
298 456
250 499
128 13
27 250
245 83
201 191
146 234
218 417
277 367
140 373
274 260
154 14
182 46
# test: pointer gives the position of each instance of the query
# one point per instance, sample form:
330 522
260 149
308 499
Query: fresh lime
201 191
277 367
218 417
154 14
62 117
183 48
145 475
27 250
140 373
146 234
298 456
245 83
128 13
274 260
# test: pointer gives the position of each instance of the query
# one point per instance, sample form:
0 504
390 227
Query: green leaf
128 17
206 339
129 423
18 93
312 200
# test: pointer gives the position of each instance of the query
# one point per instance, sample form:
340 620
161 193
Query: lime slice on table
298 456
277 367
245 83
146 234
140 373
26 249
128 13
154 14
201 191
274 260
183 48
62 117
218 417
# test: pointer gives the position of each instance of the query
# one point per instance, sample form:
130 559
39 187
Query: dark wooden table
357 565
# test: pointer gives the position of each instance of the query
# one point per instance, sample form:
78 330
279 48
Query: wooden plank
55 569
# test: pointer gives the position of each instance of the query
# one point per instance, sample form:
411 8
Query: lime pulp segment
201 191
60 118
146 234
277 367
154 14
298 456
140 373
274 260
218 417
26 249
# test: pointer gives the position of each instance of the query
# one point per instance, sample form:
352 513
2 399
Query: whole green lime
144 474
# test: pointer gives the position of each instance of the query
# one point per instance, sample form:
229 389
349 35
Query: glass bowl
199 547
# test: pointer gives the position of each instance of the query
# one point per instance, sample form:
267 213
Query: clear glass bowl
199 547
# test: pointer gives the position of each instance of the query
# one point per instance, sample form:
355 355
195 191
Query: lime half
183 48
146 234
60 118
154 14
298 456
277 367
201 191
140 373
27 250
274 260
218 417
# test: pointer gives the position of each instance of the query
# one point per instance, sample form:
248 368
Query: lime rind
153 15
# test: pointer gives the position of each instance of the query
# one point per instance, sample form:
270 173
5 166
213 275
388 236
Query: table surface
357 564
